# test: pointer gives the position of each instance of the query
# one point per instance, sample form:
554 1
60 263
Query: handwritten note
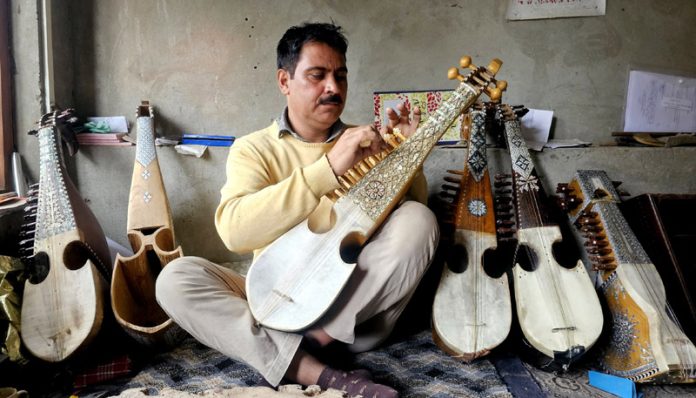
538 9
657 102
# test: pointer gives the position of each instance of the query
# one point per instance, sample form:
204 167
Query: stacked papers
102 139
111 130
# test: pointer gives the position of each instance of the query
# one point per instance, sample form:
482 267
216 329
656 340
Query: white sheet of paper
536 126
657 102
117 124
569 143
538 9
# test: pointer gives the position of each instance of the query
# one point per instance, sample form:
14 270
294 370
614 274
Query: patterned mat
414 365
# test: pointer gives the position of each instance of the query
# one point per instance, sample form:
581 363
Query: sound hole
38 267
497 262
527 258
75 255
350 247
566 254
457 259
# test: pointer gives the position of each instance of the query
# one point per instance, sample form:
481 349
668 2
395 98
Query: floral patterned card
427 101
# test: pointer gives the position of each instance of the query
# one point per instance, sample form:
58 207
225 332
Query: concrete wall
209 67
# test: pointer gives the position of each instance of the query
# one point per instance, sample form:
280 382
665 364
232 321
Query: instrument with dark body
471 310
295 279
647 345
557 307
664 226
151 235
64 300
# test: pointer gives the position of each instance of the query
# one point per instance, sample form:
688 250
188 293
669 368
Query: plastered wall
209 67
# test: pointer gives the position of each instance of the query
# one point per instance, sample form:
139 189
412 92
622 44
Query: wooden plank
6 124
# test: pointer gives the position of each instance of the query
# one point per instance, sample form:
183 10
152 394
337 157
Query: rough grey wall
208 67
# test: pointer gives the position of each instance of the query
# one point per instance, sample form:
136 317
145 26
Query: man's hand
399 118
354 145
357 143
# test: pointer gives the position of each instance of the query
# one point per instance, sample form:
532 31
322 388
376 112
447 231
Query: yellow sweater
274 183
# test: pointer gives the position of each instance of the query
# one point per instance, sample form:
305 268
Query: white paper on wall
536 125
538 9
657 102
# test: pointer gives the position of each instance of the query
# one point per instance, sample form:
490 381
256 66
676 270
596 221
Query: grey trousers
209 301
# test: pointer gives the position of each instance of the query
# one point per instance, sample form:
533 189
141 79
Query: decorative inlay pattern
375 190
623 333
592 180
145 148
54 214
521 160
626 247
530 183
147 197
145 174
398 168
477 208
628 354
477 145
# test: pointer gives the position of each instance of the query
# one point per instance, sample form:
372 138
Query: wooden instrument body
472 313
296 279
558 309
646 345
295 297
151 235
63 313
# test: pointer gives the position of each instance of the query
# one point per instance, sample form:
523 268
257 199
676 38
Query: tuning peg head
502 85
494 93
494 66
562 203
501 183
453 73
465 61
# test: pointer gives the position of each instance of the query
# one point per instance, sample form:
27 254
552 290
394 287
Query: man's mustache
334 99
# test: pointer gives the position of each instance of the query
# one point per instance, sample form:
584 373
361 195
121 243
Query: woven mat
414 365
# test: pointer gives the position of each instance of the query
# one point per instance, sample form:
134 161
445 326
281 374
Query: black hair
290 45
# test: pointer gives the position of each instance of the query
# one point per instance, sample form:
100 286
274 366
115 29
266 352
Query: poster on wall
659 102
539 9
427 101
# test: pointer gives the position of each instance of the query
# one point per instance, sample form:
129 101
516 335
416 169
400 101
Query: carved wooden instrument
63 303
151 235
295 280
557 307
646 344
471 310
